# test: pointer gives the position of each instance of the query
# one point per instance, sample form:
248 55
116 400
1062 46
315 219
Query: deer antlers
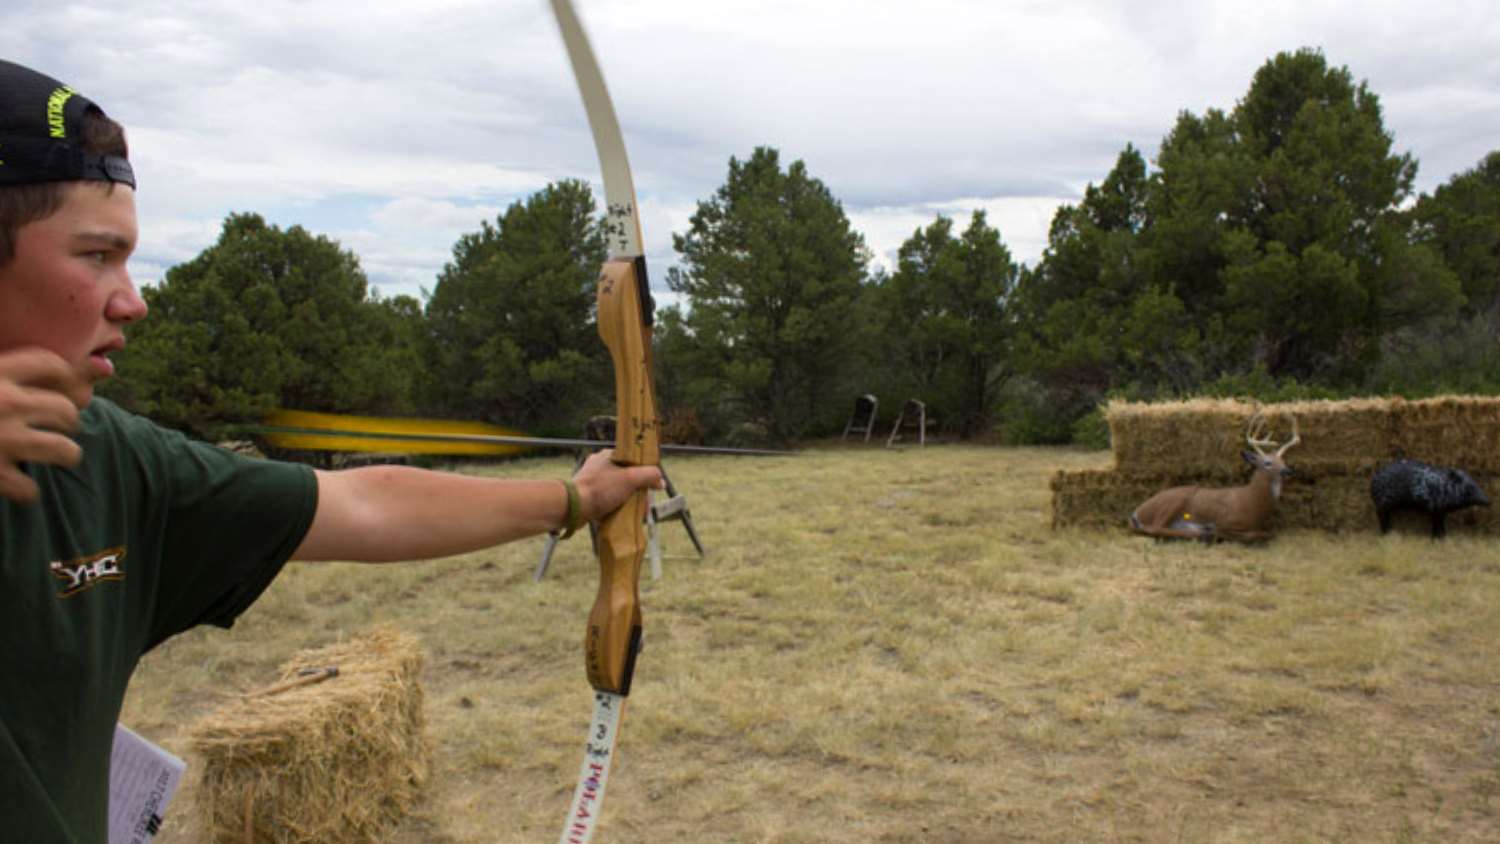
1255 435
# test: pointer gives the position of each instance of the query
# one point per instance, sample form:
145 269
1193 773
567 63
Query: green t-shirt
150 535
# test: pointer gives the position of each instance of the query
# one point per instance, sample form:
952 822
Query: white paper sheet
142 780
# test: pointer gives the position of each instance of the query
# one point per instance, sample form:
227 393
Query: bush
1035 426
1260 385
750 435
1447 357
1091 431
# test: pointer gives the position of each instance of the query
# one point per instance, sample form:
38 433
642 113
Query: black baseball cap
40 122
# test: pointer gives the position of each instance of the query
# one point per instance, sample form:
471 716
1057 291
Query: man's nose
126 305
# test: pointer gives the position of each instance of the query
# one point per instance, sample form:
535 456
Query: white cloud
1022 222
385 123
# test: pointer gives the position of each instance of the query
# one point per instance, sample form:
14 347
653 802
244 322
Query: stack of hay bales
1199 442
338 761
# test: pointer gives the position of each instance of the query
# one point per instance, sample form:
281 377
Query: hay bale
1199 441
1462 431
1200 435
1101 498
1338 437
1342 503
335 762
1204 437
1339 503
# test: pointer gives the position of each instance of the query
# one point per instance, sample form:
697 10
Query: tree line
1274 250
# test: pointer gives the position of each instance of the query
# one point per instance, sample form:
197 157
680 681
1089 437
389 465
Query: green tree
510 336
392 374
771 272
1457 230
947 319
266 318
1080 301
1461 221
1302 270
1267 238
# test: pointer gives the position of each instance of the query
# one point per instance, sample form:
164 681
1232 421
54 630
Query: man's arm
390 513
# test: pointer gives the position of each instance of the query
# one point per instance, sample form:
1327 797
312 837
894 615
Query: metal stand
862 418
913 417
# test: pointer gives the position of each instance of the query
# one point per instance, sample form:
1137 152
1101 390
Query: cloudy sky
394 126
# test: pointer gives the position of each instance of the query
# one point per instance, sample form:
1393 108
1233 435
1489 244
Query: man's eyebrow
108 239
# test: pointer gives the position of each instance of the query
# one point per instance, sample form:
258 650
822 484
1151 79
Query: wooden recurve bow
613 636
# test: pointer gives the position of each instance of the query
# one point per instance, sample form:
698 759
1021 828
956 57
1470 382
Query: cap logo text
55 103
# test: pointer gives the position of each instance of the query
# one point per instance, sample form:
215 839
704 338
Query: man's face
67 289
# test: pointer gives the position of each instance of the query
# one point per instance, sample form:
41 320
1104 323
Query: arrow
303 430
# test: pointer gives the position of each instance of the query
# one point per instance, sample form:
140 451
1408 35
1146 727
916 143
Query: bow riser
625 317
612 639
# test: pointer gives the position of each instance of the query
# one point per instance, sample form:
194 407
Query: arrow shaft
326 439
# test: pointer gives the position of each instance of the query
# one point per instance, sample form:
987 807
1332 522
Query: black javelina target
1434 490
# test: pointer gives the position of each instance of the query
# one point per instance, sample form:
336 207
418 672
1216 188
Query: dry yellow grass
894 646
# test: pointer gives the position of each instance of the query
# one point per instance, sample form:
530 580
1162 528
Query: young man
115 533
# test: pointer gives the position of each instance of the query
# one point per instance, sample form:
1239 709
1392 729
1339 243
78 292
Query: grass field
893 646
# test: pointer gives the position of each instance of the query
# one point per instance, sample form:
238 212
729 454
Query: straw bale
334 762
1199 441
1105 498
1186 436
1342 503
1099 498
1204 437
1462 431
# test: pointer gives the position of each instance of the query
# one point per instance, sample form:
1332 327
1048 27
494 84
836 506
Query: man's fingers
36 408
20 443
640 476
39 390
15 485
604 487
46 371
40 398
27 411
42 447
646 476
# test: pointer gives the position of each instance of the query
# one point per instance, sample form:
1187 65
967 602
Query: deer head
1273 464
